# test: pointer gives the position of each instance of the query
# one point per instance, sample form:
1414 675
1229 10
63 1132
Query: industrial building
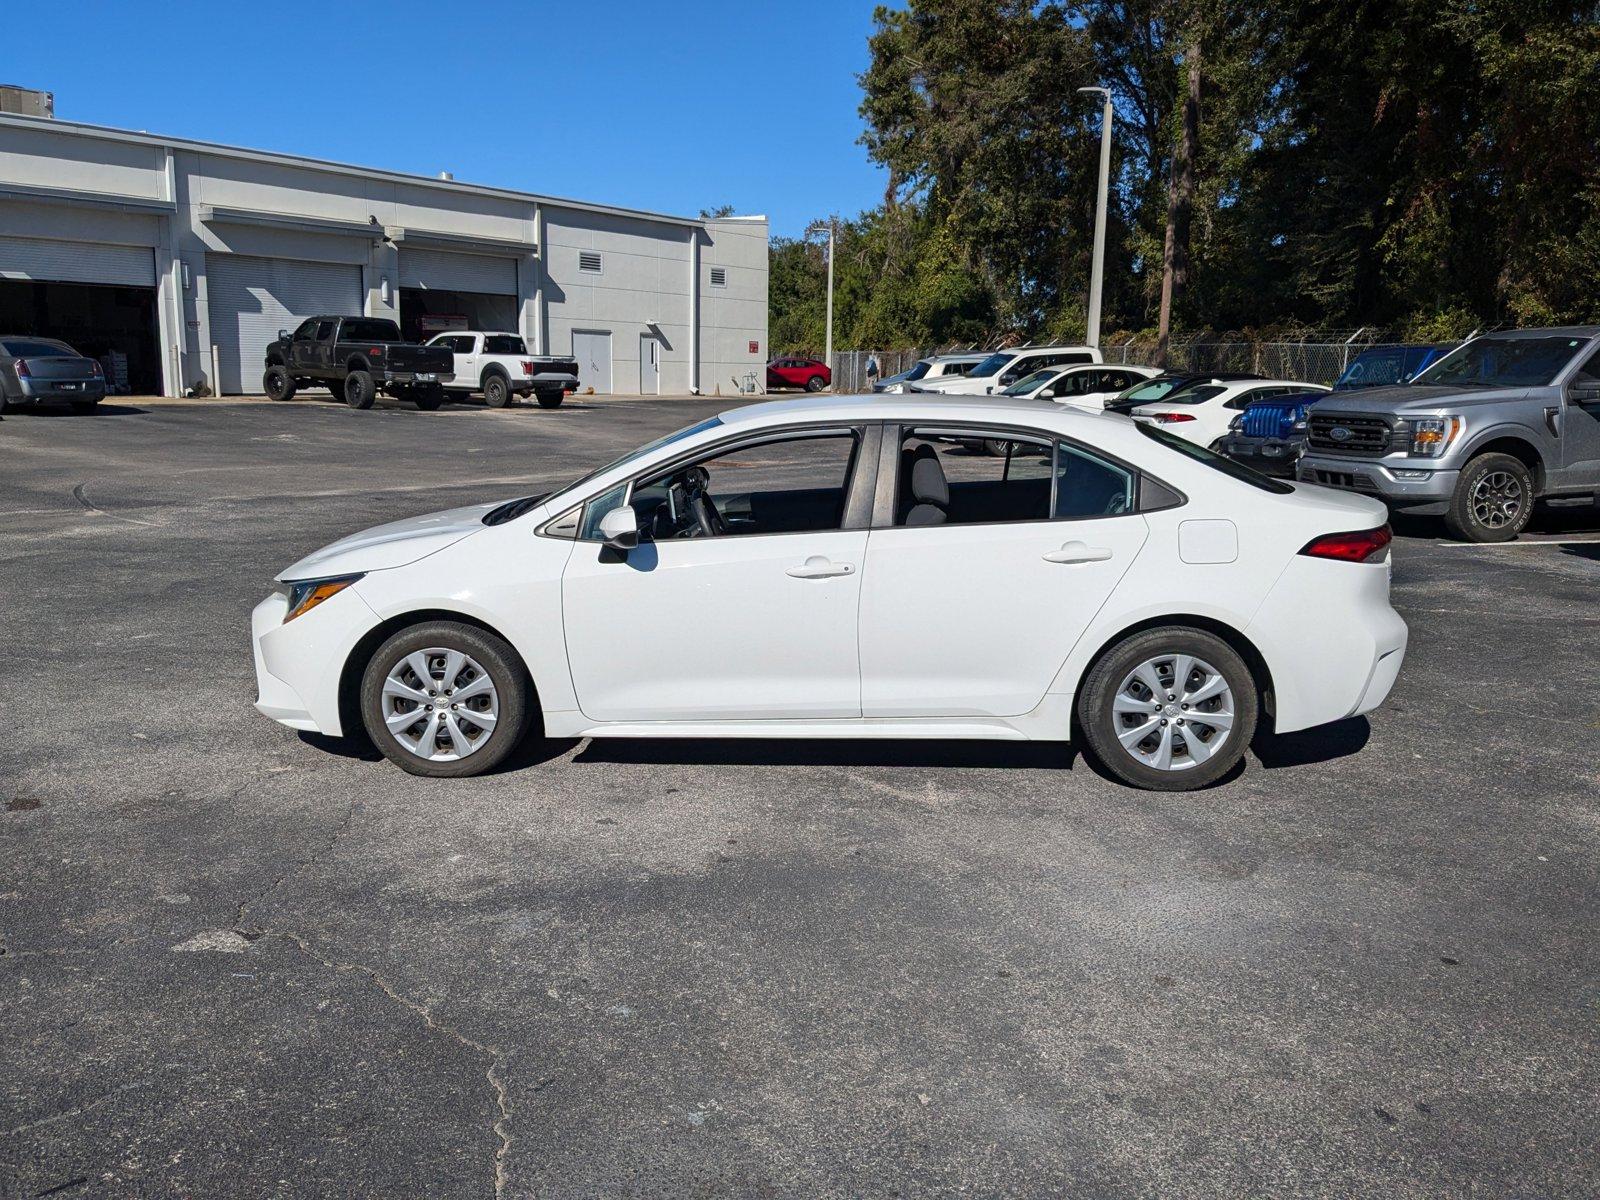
177 261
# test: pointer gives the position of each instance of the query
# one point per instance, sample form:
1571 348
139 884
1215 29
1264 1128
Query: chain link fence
1304 361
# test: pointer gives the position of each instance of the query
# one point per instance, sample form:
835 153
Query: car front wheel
1169 709
1493 500
277 384
446 699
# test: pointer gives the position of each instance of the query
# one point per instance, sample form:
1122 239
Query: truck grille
1364 436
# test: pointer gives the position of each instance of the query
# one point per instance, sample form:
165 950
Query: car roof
1577 331
974 356
913 406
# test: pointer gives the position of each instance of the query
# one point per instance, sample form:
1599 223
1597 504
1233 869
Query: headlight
1298 425
1431 436
306 594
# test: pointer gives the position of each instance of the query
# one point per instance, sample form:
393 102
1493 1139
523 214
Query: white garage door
252 298
446 271
592 349
77 262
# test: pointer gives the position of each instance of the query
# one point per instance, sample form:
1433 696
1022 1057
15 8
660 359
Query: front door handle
1078 552
820 567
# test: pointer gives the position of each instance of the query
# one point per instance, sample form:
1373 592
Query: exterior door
649 365
755 621
592 349
972 611
1580 433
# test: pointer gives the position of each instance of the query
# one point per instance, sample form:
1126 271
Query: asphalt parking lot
238 961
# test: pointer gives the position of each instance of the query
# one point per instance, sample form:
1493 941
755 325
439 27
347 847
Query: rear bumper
1420 489
62 389
1271 456
420 378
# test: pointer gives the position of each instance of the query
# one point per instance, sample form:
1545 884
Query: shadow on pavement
1307 746
832 752
103 409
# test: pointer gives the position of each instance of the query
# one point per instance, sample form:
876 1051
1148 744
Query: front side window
324 330
307 330
633 455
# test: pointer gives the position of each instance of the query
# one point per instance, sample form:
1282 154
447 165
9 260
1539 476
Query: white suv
1004 367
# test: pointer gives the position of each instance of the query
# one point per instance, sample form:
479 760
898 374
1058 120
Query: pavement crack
77 1109
495 1056
305 864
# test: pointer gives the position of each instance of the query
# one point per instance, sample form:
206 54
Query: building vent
26 101
589 260
719 276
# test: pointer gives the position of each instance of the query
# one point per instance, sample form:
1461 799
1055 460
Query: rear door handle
1078 552
820 567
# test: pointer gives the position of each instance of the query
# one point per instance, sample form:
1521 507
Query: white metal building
180 260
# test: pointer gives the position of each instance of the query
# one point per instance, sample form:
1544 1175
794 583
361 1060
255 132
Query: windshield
1029 382
647 448
1375 368
369 329
917 372
992 365
1504 362
21 349
1215 461
503 343
1156 389
1195 393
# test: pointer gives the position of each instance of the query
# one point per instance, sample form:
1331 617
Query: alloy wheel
1173 712
440 704
1497 499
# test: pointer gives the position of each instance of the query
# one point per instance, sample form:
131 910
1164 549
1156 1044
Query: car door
756 619
322 349
982 572
1580 431
301 348
468 358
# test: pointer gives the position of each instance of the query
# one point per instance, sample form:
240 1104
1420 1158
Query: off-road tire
359 389
429 399
278 384
1489 487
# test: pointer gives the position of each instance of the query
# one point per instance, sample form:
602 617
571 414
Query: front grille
1365 436
1267 420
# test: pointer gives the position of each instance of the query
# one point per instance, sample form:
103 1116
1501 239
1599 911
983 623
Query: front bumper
1415 485
299 665
1271 456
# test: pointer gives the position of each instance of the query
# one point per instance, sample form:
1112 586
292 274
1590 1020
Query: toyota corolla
833 569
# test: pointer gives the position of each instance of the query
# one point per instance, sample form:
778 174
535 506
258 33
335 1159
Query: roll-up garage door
252 298
77 262
446 271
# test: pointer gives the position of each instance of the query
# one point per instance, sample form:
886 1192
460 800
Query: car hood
391 545
1417 398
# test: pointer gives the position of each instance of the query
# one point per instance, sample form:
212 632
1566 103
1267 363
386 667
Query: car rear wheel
815 384
277 384
1169 709
495 392
551 399
428 398
446 699
1493 500
359 390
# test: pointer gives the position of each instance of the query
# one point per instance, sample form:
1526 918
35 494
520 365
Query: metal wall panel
447 271
251 299
77 262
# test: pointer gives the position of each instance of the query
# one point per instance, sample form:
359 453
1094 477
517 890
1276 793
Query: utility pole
832 227
1097 266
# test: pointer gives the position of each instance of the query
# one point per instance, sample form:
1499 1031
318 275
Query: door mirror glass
619 528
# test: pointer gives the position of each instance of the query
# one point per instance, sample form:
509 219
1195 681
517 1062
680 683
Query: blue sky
670 107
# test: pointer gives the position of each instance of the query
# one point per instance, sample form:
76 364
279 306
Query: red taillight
378 350
1362 546
96 369
527 367
1170 418
22 368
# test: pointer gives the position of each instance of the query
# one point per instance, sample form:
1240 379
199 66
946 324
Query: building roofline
127 136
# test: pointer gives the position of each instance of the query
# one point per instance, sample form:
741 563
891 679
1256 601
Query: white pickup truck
499 366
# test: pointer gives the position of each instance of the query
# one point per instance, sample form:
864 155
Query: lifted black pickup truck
355 358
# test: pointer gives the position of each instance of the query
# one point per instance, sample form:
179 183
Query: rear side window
368 329
1216 462
503 344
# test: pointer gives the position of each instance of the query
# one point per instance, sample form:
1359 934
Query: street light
817 227
1097 267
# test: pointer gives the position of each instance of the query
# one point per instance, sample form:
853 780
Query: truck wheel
1493 500
495 392
551 399
277 384
359 391
428 399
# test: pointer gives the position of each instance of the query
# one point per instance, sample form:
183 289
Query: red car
809 373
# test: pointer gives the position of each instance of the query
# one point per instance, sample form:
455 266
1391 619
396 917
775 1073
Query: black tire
359 390
815 384
498 660
496 391
277 384
995 447
1100 723
551 399
428 399
1493 500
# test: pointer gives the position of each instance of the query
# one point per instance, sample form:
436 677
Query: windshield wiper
512 509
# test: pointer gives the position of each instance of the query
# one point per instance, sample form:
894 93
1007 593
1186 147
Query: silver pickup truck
1499 422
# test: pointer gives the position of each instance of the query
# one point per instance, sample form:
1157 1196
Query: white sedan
1200 413
1083 385
822 568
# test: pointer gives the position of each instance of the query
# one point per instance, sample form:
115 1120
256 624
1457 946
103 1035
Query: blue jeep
1270 434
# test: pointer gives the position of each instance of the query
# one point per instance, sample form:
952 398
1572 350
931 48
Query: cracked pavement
237 961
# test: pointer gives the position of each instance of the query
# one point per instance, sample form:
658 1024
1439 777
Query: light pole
817 227
1097 266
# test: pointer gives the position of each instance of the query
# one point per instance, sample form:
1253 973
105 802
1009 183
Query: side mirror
1048 394
620 528
1586 392
283 333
